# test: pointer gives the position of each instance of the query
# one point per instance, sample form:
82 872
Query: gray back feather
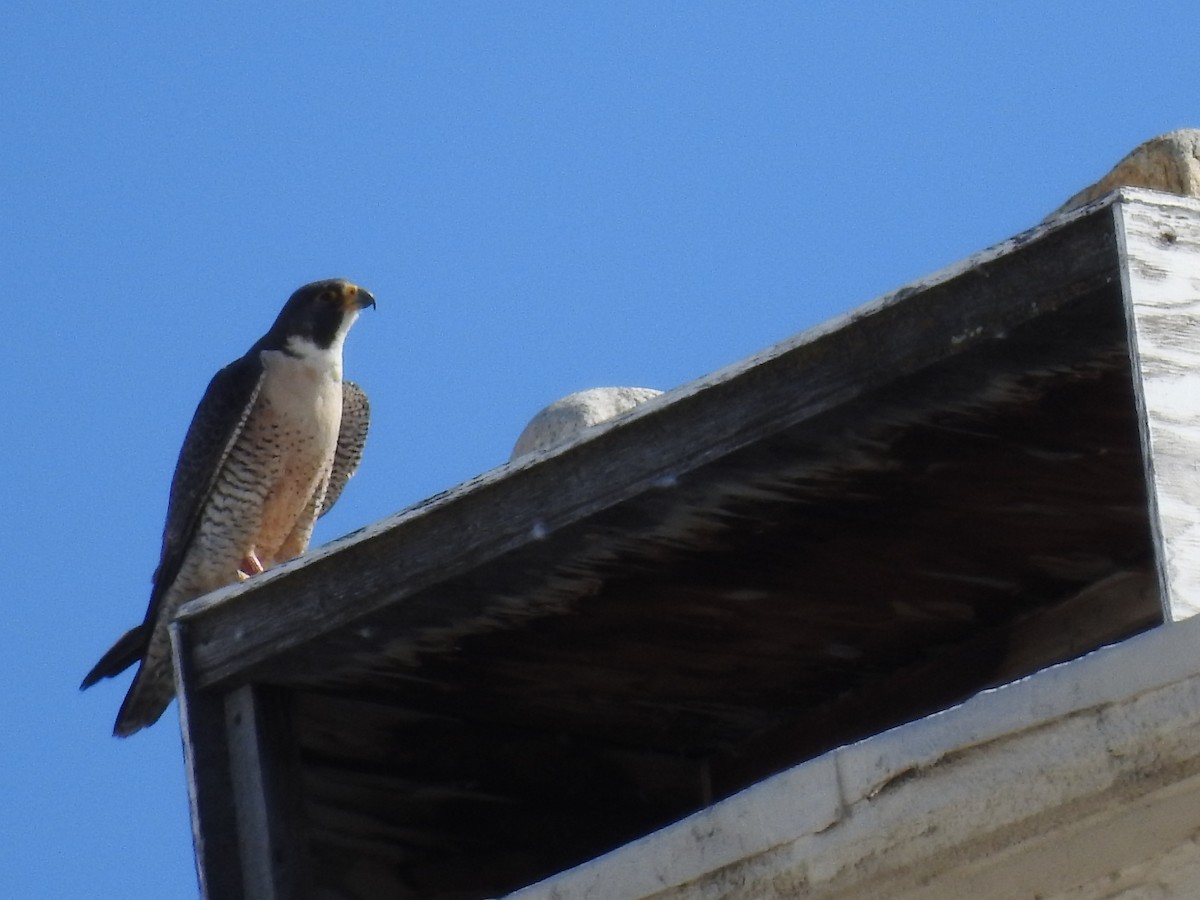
352 436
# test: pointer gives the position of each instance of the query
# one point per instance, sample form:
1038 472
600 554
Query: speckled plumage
272 444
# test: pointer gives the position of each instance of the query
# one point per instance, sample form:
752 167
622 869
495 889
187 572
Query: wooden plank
243 788
973 304
210 787
1160 271
266 793
1109 611
945 807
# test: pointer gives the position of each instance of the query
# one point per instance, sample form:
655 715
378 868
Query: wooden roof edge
1118 195
940 784
958 307
725 373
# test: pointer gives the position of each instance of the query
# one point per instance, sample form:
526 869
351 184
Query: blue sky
543 197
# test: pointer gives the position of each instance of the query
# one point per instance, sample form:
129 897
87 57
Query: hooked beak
355 298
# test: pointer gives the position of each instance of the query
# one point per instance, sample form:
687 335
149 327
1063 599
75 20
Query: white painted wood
1078 782
1159 244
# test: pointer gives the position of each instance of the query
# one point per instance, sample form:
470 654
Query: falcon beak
356 298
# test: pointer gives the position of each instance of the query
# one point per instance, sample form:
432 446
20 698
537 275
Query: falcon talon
276 436
250 566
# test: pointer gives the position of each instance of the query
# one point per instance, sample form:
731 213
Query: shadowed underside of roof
943 493
808 591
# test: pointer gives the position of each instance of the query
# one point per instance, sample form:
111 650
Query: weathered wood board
1160 270
971 306
943 490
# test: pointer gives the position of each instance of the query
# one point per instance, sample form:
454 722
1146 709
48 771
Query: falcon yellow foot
250 566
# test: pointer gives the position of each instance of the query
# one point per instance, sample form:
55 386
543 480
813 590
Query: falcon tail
151 693
153 686
124 653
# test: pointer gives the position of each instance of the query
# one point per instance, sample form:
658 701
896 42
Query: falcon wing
215 427
352 435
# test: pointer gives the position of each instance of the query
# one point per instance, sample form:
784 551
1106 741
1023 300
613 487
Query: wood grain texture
209 783
266 793
870 521
1160 255
522 506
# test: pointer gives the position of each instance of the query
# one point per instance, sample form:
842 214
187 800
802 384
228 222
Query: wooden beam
243 786
972 304
1159 241
266 791
1109 611
210 787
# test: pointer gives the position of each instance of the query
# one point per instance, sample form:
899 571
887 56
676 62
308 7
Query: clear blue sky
543 197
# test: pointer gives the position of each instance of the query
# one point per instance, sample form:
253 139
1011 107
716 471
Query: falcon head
320 313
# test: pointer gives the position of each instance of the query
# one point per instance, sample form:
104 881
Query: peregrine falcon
270 448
